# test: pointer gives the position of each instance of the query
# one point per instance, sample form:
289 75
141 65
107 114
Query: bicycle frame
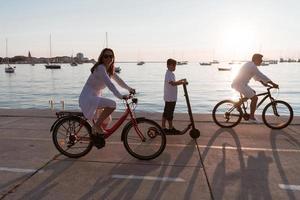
117 124
265 94
108 131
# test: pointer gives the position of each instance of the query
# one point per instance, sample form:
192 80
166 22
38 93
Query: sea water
36 86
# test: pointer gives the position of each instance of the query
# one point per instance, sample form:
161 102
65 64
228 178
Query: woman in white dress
91 96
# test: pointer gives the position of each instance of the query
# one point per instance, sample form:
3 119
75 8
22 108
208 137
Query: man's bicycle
142 138
276 114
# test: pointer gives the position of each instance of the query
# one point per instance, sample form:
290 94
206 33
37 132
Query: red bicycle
142 138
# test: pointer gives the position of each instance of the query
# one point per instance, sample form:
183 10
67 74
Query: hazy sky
194 30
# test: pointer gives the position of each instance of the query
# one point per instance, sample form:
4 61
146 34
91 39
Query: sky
193 30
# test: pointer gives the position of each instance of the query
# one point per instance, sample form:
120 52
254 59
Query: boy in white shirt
240 83
170 95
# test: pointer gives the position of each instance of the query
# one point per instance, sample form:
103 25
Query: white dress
90 98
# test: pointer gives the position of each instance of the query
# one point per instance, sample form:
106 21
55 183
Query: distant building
79 57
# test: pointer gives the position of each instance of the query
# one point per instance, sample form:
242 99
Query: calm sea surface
33 86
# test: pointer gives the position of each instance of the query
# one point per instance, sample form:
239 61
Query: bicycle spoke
71 137
149 148
226 114
277 114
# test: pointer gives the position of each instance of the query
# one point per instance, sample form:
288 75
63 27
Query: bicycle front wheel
226 114
145 140
277 114
71 137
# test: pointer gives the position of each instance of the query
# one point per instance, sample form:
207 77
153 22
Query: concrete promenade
249 161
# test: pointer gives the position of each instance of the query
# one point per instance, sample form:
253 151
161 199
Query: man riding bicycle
240 83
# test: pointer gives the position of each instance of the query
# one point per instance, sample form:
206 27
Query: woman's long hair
111 69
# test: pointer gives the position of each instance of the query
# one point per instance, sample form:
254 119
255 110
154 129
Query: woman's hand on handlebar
130 95
125 97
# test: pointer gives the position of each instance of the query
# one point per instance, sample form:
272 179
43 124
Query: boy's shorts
169 110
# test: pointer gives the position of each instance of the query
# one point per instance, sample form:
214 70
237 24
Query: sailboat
49 65
8 69
118 69
73 63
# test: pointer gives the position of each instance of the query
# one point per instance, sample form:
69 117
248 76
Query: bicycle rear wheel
152 144
71 137
226 115
277 114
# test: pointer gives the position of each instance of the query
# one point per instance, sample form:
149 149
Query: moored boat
10 69
117 69
141 63
224 68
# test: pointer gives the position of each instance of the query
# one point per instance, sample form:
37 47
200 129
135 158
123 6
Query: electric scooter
194 133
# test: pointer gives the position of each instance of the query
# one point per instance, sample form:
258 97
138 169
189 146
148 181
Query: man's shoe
254 121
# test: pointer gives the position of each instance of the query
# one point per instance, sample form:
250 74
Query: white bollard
62 104
51 102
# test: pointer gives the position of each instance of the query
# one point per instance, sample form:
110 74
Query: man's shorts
169 110
245 90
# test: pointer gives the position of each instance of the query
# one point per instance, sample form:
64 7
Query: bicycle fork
274 107
137 130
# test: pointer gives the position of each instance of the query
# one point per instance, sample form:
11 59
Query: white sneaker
254 121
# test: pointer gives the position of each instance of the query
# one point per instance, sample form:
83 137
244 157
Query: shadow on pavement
181 161
253 175
110 187
274 135
44 188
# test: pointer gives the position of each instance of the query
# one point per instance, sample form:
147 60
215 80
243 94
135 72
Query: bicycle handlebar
130 95
268 85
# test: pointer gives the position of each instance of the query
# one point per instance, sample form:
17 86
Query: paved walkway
246 162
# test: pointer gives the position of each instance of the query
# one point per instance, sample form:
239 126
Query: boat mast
106 37
6 51
50 48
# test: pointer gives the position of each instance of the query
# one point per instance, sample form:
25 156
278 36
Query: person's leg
104 114
170 122
171 115
163 122
249 93
164 119
253 106
108 107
